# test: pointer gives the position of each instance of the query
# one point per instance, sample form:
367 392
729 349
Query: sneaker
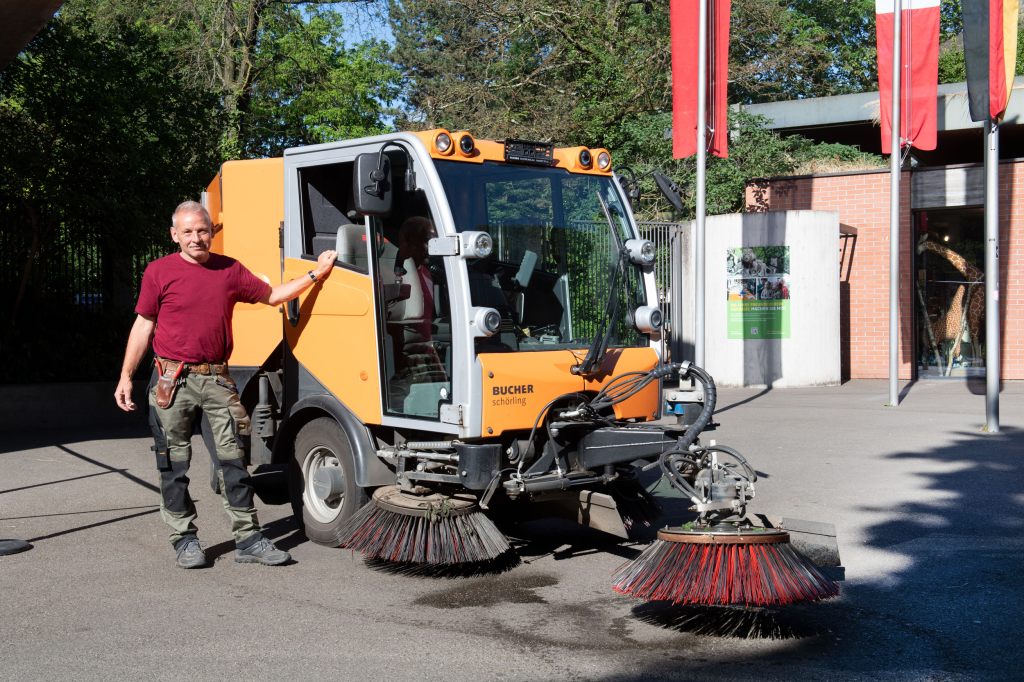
190 553
262 552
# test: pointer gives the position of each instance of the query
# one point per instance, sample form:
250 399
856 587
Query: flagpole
992 359
698 238
894 210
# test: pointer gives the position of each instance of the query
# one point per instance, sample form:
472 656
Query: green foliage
952 68
119 110
754 152
806 48
309 88
280 70
579 72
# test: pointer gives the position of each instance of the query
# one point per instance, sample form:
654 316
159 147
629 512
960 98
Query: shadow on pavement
97 524
15 441
949 604
749 399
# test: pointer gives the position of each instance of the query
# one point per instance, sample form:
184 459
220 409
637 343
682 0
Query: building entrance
950 292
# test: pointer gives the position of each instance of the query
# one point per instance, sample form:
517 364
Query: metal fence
67 292
665 270
661 234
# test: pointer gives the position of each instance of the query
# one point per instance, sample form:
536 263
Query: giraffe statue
967 307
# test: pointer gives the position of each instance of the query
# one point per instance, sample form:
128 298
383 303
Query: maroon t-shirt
192 304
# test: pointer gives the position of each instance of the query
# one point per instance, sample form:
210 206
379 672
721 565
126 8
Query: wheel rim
324 482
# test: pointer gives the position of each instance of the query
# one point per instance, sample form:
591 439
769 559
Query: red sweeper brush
723 566
428 528
721 558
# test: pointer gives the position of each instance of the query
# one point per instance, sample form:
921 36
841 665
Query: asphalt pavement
928 507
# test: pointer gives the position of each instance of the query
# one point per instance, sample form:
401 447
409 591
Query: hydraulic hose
710 398
740 459
686 370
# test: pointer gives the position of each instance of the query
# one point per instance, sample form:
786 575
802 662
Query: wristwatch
312 275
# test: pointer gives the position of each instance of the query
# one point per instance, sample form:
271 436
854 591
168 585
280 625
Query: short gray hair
192 207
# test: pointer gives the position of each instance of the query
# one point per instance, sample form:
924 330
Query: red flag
919 75
990 53
684 18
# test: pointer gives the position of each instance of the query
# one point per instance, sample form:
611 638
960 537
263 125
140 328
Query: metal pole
992 358
676 303
894 211
698 237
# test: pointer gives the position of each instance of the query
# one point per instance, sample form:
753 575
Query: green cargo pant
217 397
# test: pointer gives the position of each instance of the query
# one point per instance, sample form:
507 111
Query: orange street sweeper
489 340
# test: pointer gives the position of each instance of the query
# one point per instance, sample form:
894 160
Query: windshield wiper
602 337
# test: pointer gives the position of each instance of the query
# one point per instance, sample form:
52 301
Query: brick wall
862 201
1011 268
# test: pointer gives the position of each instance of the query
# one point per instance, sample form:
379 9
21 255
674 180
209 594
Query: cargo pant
216 396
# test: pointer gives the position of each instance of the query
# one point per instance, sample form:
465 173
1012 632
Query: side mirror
371 184
670 190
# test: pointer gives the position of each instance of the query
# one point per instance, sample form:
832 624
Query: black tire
321 446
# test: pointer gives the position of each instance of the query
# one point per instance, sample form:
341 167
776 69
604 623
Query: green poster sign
757 289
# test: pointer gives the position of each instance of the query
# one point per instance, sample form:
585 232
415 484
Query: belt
206 367
201 367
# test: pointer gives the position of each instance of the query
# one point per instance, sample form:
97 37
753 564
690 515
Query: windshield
555 253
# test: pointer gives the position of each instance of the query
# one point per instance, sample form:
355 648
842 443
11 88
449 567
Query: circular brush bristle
755 573
389 535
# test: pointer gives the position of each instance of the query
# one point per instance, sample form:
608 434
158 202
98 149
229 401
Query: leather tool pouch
168 380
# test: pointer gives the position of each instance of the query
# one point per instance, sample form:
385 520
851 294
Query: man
185 307
411 262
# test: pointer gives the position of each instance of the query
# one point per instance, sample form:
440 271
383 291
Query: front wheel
323 483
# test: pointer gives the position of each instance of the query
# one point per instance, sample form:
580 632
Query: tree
952 68
575 72
122 108
99 144
279 67
529 68
754 152
309 88
807 48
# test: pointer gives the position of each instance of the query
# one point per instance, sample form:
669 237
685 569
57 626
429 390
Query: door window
328 221
950 292
415 313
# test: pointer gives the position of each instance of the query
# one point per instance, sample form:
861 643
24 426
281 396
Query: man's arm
138 343
286 291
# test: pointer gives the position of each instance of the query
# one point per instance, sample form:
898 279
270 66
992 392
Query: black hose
751 474
687 370
540 416
710 399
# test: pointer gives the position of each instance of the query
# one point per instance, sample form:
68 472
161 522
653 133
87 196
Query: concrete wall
862 201
810 354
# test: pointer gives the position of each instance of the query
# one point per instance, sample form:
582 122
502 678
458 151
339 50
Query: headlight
467 144
476 244
585 158
604 160
648 319
641 251
484 321
443 142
